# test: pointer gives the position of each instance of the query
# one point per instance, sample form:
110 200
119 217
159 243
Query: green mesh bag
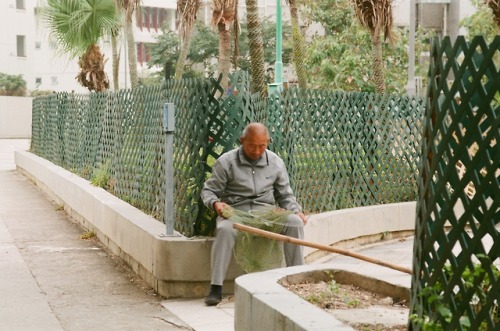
253 252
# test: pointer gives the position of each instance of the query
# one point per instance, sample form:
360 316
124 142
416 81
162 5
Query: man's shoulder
228 156
274 158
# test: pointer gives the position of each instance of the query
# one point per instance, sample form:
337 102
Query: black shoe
215 296
213 299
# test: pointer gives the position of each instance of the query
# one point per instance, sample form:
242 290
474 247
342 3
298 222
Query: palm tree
298 44
223 16
114 48
128 7
77 26
186 11
376 16
256 48
495 7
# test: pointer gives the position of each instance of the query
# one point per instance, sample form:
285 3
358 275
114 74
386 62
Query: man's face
254 145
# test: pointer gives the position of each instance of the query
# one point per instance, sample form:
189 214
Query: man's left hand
302 217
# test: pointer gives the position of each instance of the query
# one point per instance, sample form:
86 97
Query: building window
54 80
143 53
20 4
38 81
38 45
21 46
151 18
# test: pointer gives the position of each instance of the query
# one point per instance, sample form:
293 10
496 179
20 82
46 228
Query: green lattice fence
456 278
347 149
342 149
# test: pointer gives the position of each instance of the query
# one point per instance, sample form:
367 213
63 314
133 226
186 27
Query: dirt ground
333 297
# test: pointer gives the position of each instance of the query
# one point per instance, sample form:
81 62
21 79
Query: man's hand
302 217
218 206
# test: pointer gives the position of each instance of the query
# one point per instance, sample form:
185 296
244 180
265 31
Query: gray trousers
225 238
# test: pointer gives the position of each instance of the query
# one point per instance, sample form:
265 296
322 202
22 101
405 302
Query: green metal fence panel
342 149
347 149
456 278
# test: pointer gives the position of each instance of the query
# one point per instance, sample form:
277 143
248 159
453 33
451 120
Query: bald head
254 140
255 128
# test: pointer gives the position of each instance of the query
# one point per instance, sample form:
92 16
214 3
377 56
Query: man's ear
241 140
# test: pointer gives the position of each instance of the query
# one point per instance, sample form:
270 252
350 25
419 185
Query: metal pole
410 87
168 129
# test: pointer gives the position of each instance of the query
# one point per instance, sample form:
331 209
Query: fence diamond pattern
342 149
456 278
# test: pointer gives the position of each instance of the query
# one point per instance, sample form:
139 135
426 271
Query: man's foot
215 295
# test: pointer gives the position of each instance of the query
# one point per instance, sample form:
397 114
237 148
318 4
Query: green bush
12 85
476 279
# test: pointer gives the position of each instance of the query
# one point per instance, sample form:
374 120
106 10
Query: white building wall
401 12
15 117
10 16
442 15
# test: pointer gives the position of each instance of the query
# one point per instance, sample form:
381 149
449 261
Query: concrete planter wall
179 266
174 266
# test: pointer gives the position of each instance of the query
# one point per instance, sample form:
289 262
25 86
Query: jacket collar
264 160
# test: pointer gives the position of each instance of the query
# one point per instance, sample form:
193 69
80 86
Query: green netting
456 278
254 252
342 149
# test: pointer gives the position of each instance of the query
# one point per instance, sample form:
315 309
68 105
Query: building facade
27 49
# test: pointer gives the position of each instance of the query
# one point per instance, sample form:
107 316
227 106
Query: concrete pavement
52 279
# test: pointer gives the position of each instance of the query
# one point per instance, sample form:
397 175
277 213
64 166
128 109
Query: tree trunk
181 62
256 48
378 64
116 62
92 74
132 54
224 55
298 45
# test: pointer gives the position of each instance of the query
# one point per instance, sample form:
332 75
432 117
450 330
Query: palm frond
187 11
223 11
77 24
376 15
495 7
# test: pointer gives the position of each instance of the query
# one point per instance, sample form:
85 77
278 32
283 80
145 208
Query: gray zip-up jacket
239 184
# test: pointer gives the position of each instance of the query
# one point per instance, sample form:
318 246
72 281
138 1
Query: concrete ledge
358 226
263 304
174 266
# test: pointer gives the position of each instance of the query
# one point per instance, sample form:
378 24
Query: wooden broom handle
296 241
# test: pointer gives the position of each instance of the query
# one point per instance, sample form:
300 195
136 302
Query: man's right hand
218 206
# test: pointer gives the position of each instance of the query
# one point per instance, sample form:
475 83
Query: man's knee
294 226
294 220
225 228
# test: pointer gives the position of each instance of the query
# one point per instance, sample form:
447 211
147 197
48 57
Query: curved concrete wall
356 226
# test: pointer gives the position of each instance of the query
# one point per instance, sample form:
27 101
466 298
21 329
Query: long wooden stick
296 241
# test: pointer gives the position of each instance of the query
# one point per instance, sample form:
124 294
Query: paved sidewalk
51 279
